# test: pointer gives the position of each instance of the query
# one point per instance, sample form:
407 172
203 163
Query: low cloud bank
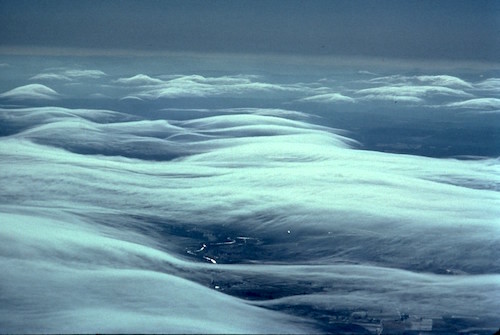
127 223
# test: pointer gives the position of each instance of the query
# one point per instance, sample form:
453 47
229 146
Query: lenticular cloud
140 79
481 103
69 75
31 92
237 220
329 97
410 91
200 86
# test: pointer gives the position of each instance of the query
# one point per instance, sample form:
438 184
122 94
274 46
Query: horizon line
319 60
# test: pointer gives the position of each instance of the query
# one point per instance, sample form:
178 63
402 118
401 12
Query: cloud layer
297 188
200 86
31 92
440 91
238 217
68 75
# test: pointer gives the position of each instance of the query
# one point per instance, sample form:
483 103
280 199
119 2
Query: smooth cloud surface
31 92
199 86
69 75
481 103
240 219
232 179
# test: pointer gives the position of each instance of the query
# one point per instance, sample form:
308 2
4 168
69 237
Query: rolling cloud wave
31 92
123 222
331 195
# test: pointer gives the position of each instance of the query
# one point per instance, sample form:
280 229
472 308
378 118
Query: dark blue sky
458 30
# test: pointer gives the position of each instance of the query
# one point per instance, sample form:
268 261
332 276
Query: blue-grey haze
449 30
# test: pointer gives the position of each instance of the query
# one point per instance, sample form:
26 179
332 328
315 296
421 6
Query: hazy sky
460 30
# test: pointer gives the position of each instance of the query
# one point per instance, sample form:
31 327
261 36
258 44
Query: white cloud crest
102 208
328 98
199 86
31 92
480 103
69 75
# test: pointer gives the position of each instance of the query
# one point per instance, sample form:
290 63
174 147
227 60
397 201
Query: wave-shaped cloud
311 202
386 179
74 73
388 283
59 273
409 92
50 76
429 89
490 84
69 75
140 79
480 103
277 112
444 80
199 86
92 131
31 92
432 90
328 98
410 186
413 91
165 223
433 80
